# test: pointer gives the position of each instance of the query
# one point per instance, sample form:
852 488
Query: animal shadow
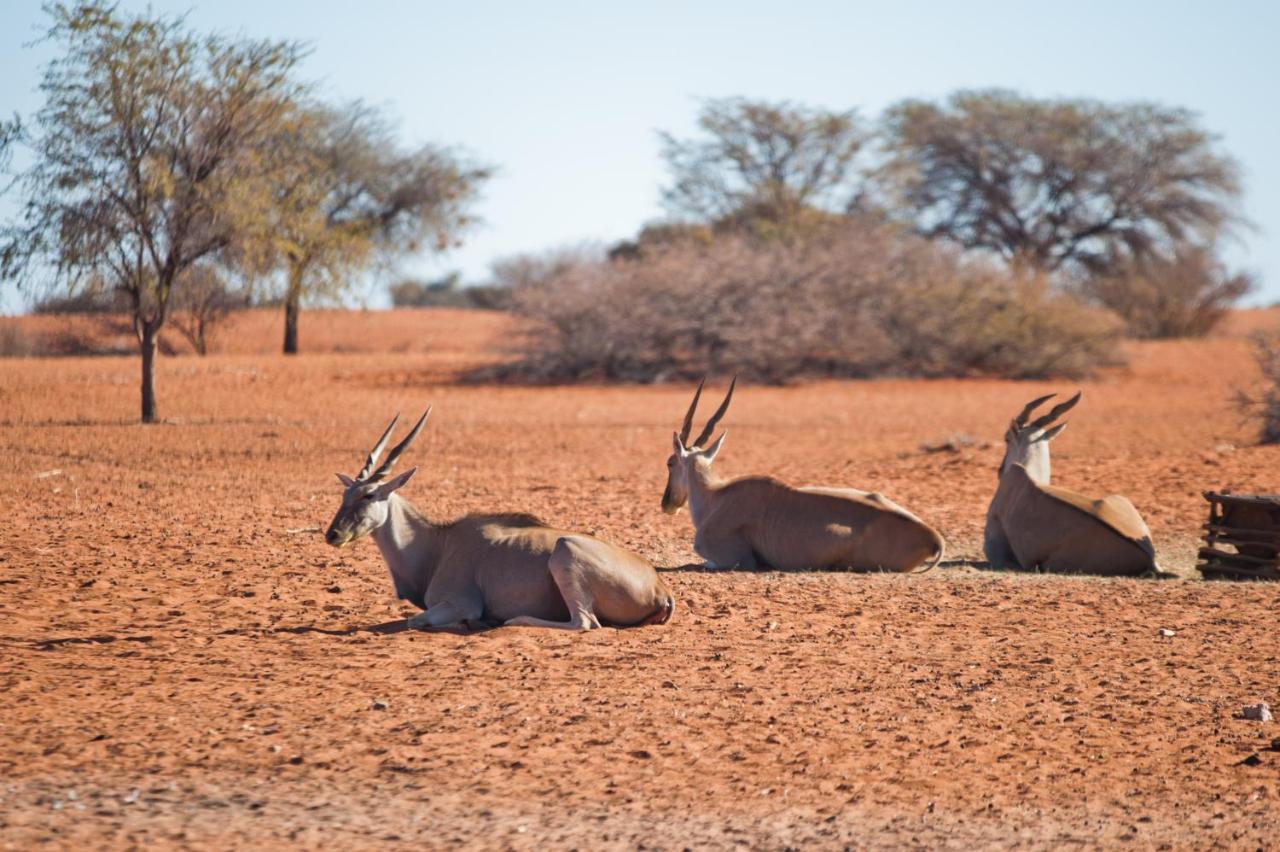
700 568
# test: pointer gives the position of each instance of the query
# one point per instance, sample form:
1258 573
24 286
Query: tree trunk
292 305
147 343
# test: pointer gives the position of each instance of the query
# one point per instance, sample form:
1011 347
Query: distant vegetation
448 292
175 176
993 234
165 161
863 299
1263 405
348 196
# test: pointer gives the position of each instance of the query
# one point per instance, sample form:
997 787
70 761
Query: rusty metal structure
1242 537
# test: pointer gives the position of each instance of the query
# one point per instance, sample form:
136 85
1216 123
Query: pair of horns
712 423
367 473
1045 420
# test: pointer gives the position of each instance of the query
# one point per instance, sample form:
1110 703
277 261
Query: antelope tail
941 552
662 614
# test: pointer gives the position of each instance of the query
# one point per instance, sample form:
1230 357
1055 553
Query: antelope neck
703 483
409 543
1036 463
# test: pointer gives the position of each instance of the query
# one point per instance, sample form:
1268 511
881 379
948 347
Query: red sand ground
184 662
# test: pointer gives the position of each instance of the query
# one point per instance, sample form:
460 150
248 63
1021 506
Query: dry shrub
1183 296
447 292
15 342
94 299
955 319
866 301
201 304
66 335
1265 405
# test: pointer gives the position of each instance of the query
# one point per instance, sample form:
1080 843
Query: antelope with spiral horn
1035 526
756 521
493 569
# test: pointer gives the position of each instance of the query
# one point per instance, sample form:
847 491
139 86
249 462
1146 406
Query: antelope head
364 498
1027 441
688 455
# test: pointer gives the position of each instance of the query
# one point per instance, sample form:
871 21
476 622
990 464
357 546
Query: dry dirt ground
185 663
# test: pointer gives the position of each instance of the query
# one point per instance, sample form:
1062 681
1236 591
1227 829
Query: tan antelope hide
1035 526
493 569
757 521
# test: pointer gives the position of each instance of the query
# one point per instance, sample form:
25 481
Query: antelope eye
368 496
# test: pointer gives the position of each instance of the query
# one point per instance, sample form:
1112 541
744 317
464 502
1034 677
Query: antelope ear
345 480
678 445
1050 434
710 453
397 481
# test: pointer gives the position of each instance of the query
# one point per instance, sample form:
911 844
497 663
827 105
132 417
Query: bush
867 300
964 320
1265 407
73 335
201 303
1183 296
15 342
92 300
448 293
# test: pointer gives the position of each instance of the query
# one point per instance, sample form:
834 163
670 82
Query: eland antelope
501 568
757 520
1033 525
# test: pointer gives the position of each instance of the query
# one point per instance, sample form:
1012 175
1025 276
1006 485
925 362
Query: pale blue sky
565 97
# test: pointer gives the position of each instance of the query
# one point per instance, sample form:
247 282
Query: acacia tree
351 196
1074 184
147 159
764 163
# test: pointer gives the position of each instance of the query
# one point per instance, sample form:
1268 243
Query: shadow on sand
386 628
699 568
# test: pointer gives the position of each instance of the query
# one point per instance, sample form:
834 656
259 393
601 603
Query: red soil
184 662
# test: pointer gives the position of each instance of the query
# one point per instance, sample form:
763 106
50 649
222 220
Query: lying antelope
1033 525
756 520
502 568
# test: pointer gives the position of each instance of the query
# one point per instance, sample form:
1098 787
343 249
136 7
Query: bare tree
764 162
1059 183
352 196
147 158
201 304
10 136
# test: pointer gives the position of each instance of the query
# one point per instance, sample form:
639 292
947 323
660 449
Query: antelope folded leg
445 614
